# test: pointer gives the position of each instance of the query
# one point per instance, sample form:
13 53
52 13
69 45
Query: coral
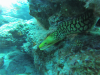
85 63
25 47
12 34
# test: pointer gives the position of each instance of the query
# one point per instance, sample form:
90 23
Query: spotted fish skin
78 25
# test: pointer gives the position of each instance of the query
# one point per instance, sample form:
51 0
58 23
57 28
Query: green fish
78 25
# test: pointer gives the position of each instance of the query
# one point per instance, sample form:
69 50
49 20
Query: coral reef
16 62
43 10
42 13
6 19
11 34
7 36
76 54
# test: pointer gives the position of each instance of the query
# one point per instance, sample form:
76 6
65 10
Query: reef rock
51 12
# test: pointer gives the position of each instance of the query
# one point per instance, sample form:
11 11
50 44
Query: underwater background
49 37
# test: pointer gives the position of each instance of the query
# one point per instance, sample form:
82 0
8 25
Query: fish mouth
46 46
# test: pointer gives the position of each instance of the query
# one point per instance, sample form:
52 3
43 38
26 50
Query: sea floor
14 62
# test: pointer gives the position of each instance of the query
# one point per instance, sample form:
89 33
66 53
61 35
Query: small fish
78 25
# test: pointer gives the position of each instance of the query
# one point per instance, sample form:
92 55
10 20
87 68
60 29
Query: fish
80 24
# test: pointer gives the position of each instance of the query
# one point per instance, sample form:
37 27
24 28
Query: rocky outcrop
51 12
